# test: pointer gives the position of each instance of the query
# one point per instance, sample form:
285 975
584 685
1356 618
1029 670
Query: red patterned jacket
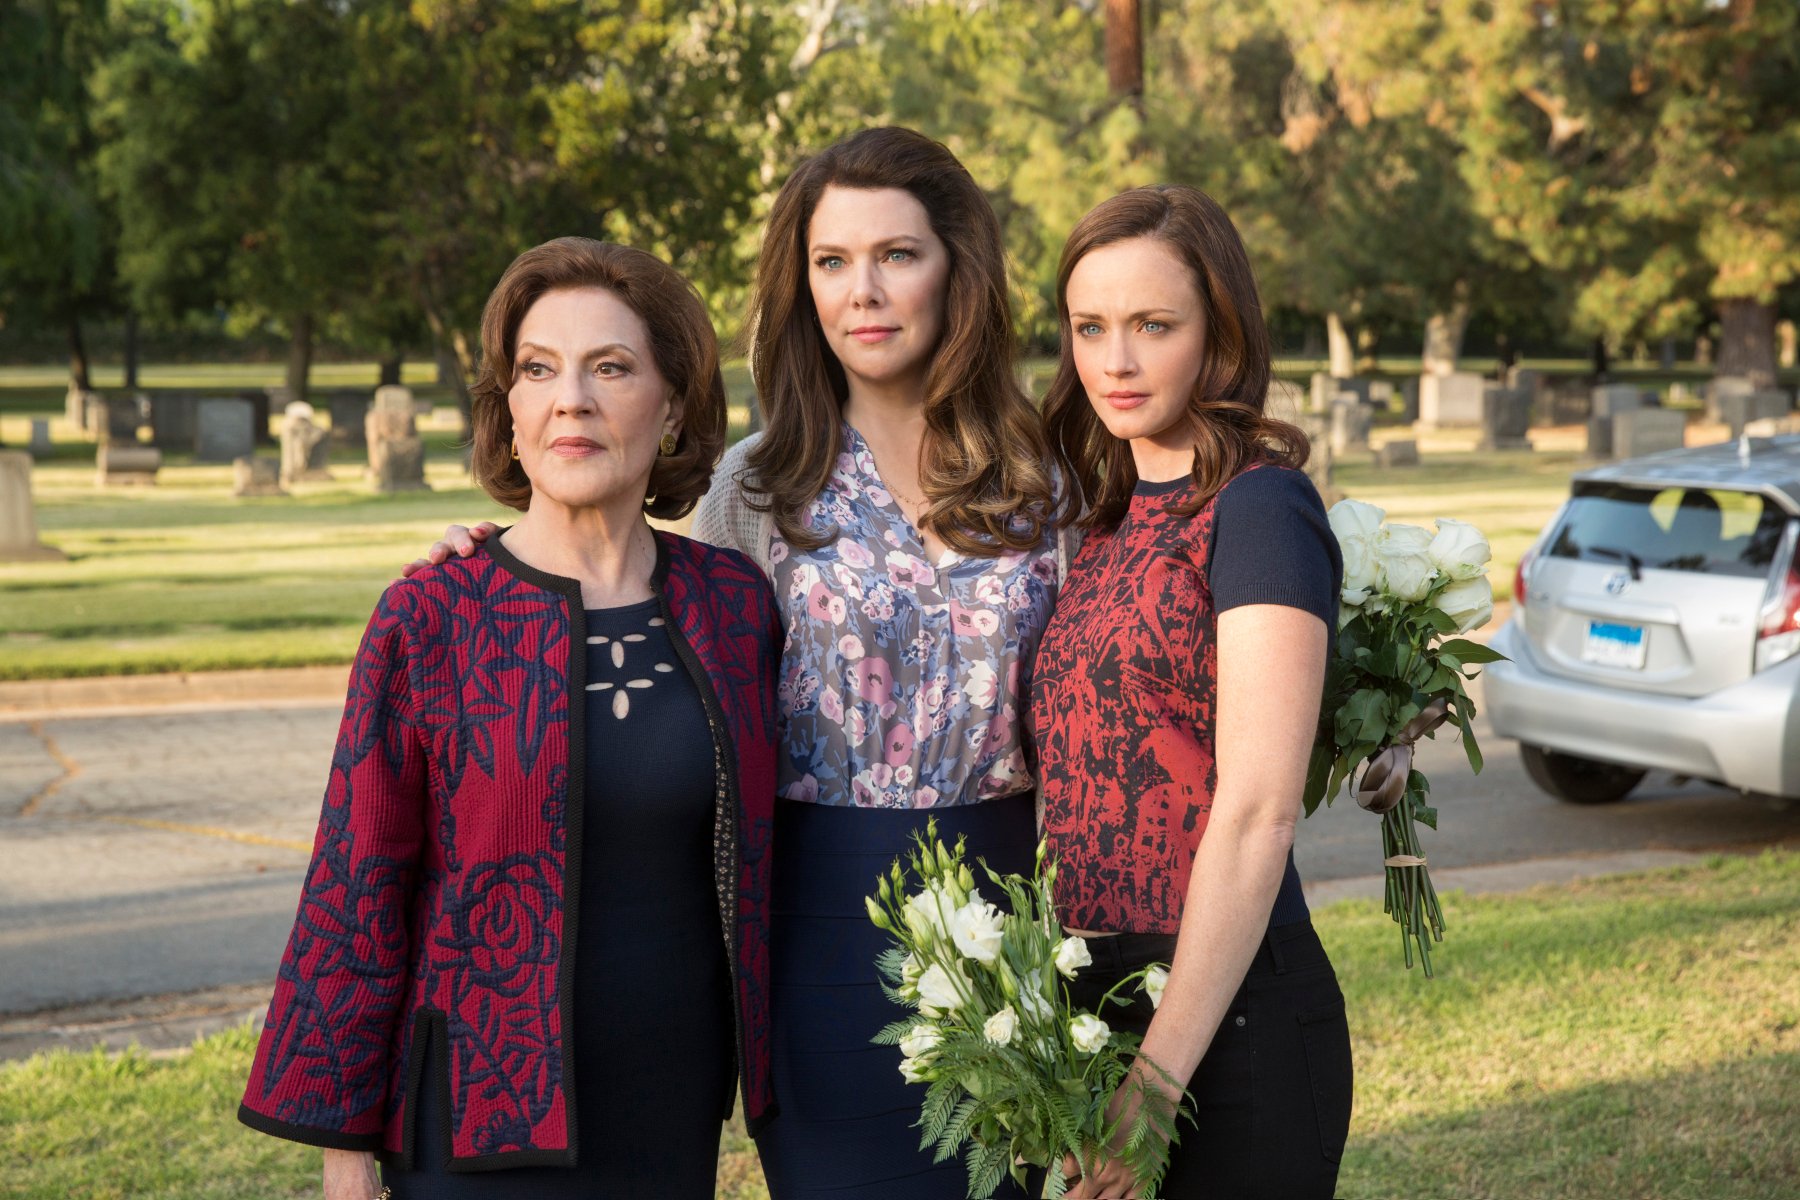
445 875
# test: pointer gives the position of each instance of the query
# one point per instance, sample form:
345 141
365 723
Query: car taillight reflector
1519 579
1778 633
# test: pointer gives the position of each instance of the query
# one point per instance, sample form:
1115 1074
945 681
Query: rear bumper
1746 736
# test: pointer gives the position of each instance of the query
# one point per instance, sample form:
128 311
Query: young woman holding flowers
902 501
532 953
1177 691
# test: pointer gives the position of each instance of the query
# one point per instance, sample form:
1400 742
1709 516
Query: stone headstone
172 422
1317 428
41 445
1738 410
1769 427
1787 342
1397 454
1450 400
121 422
1505 419
1381 393
1721 386
1617 398
1350 421
396 451
254 476
1324 387
305 447
348 409
1642 431
1283 401
120 465
1679 396
1599 438
224 429
18 519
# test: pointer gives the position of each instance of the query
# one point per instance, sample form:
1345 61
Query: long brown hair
682 342
984 461
1225 413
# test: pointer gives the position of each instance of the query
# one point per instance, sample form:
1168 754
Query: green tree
1649 151
56 255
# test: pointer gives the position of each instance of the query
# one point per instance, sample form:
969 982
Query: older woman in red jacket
531 954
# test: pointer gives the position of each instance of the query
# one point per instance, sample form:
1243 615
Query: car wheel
1578 780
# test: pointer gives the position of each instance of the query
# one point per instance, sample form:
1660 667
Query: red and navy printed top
444 887
1126 686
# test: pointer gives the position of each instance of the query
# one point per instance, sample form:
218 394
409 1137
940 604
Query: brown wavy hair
682 343
1225 413
984 464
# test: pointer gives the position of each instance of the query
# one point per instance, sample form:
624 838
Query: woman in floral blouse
901 503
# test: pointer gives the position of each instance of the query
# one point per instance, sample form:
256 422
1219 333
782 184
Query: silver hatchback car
1656 626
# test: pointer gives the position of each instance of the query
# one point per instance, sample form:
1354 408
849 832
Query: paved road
162 852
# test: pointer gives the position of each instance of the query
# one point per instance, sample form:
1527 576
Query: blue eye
900 255
1154 326
830 262
1087 329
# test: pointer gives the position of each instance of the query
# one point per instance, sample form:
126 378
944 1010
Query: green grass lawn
1629 1037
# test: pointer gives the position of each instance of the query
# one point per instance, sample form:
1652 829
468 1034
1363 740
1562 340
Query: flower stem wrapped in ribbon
1396 676
1015 1075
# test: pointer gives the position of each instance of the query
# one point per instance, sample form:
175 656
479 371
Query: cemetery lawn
1632 1036
183 577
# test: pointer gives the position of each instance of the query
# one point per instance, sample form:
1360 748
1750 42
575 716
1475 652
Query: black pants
1272 1095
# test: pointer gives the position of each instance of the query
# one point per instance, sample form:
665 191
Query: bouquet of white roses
1013 1072
1396 676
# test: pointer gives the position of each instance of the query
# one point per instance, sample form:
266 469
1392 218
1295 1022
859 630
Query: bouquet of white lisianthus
1014 1073
1397 675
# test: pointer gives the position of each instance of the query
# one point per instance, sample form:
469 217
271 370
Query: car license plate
1613 645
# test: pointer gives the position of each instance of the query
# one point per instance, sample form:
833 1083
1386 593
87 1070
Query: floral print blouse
903 680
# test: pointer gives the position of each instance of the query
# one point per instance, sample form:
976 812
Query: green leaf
1473 653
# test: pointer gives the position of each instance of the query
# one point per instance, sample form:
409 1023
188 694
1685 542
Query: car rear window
1711 531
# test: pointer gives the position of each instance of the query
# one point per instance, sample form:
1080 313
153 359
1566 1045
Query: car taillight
1778 632
1519 579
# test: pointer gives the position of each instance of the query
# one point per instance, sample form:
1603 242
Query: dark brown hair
984 461
682 342
1226 411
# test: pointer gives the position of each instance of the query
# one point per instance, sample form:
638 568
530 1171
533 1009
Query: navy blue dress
653 1032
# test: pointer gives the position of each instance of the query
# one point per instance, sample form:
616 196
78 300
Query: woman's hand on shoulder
459 540
351 1175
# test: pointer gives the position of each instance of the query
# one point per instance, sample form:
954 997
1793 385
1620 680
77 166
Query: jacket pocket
1325 1033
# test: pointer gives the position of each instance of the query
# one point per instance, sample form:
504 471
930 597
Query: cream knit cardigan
725 518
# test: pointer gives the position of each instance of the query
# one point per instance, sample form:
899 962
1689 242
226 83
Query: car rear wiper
1631 560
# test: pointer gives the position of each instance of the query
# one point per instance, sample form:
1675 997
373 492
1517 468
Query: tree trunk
1665 358
1505 354
1747 341
78 358
464 361
299 359
1342 356
1124 49
1602 364
131 352
1444 336
390 369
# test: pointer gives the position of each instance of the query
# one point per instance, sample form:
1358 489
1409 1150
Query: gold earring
515 449
667 445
